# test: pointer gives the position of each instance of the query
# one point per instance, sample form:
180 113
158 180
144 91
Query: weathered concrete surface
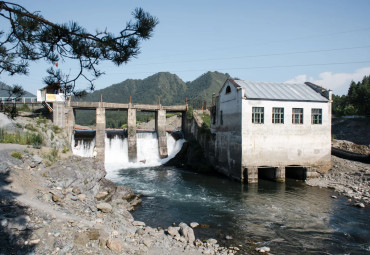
141 107
100 133
131 132
160 127
70 122
59 114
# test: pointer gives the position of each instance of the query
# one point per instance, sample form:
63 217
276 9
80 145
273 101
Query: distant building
271 130
49 95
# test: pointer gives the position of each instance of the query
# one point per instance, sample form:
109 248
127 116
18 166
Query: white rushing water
82 147
116 152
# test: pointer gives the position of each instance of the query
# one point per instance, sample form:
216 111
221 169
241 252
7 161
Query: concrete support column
131 133
59 114
70 122
160 127
100 133
280 174
252 173
311 173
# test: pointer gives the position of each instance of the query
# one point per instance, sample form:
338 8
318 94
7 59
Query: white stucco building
272 130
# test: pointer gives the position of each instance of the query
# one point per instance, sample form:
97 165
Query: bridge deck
139 107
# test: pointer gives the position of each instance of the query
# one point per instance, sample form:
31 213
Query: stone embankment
70 208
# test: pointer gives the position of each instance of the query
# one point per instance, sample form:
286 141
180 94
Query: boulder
138 223
114 245
104 207
173 231
194 224
187 232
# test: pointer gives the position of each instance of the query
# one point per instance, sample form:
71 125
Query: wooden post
159 100
101 98
130 99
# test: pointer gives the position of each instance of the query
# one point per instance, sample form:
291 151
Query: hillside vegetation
169 87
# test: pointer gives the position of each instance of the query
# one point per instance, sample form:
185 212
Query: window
221 119
257 115
228 90
278 115
316 116
297 116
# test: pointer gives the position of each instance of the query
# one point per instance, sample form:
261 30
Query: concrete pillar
311 173
131 135
280 174
59 114
183 121
100 133
252 173
70 122
160 127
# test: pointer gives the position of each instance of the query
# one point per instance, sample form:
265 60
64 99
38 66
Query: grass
21 138
30 127
51 157
16 154
56 129
206 120
41 119
24 108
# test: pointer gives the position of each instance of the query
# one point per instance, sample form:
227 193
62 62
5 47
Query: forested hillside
169 87
357 100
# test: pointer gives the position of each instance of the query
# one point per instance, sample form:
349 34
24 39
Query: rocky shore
70 208
349 178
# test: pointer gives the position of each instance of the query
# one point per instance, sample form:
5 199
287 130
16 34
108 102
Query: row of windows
278 115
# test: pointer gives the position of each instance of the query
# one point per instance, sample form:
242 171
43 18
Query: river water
290 218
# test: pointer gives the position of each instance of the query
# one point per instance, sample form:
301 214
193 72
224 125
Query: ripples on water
289 217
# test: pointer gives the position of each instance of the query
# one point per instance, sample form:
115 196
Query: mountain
168 86
4 91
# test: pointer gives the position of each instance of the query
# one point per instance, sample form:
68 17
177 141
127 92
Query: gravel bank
347 177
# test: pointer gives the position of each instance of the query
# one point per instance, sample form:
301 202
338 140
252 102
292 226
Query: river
290 217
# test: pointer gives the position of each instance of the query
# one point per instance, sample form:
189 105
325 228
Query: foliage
56 129
16 154
65 150
206 120
21 138
51 157
190 113
30 127
31 37
40 120
24 108
357 100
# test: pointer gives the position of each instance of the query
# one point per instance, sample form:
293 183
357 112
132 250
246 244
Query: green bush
21 138
189 113
16 154
56 129
30 127
24 108
41 119
65 150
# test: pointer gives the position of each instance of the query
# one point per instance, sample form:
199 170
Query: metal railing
18 100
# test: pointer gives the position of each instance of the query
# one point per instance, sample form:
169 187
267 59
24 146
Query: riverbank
350 178
70 208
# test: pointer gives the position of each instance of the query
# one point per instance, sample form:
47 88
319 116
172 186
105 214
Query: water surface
290 217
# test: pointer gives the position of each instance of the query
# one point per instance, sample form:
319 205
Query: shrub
41 119
65 150
16 154
24 108
56 129
30 127
189 113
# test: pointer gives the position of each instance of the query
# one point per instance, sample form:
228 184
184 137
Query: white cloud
338 82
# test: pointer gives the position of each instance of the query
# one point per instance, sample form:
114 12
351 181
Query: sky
326 42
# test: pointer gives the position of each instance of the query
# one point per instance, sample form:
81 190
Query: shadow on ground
15 228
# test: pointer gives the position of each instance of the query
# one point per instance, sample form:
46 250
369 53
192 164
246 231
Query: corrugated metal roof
280 91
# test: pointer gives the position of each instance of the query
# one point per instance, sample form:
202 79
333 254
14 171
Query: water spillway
116 149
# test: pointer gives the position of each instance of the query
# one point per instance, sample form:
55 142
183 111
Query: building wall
286 144
227 130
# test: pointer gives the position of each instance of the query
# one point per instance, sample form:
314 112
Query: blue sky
322 41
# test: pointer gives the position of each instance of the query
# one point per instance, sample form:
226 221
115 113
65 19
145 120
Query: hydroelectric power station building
271 130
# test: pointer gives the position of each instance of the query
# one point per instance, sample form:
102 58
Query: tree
32 37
